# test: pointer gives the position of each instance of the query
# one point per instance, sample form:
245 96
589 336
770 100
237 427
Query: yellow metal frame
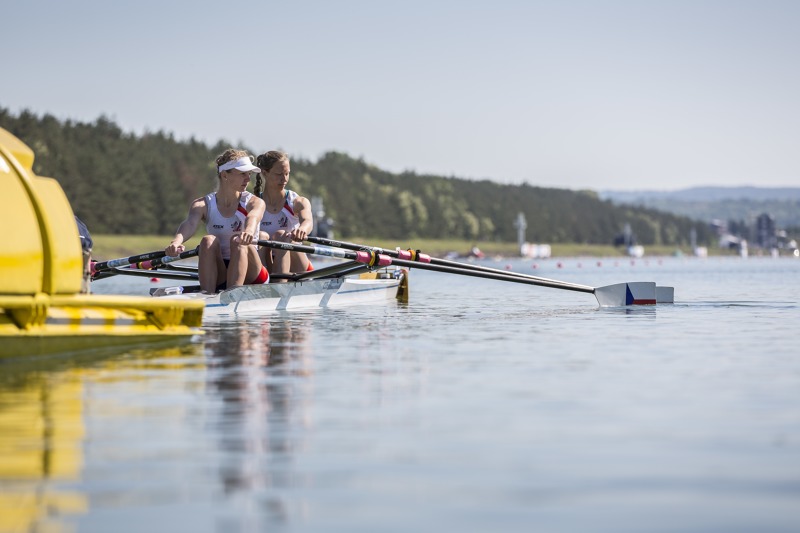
41 269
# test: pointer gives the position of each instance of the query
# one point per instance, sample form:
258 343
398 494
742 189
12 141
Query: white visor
243 164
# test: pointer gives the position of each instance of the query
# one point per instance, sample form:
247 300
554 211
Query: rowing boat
377 287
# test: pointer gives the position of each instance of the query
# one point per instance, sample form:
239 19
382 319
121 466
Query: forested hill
739 204
123 183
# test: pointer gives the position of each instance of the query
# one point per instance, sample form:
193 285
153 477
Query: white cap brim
249 167
243 164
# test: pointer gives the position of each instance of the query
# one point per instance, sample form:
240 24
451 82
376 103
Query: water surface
479 406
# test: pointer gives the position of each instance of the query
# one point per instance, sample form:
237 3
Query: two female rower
232 216
287 216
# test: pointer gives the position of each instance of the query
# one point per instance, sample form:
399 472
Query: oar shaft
148 274
148 264
122 261
375 259
161 261
620 294
446 262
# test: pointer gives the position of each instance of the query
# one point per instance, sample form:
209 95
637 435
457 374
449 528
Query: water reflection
251 369
43 405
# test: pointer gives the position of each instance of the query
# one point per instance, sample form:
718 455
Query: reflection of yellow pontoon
41 265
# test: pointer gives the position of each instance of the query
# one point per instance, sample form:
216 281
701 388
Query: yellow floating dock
42 309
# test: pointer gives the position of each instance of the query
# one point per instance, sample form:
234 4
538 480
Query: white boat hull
334 292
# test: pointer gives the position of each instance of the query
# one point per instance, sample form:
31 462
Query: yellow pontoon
42 308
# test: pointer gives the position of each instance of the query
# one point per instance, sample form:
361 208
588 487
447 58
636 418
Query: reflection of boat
42 308
369 288
46 405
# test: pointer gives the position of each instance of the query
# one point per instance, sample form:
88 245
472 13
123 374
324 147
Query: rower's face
238 179
278 174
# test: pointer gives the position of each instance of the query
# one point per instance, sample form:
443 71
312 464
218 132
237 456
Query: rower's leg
281 260
238 267
210 266
254 265
299 262
264 253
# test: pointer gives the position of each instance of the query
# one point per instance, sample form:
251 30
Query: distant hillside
724 203
121 183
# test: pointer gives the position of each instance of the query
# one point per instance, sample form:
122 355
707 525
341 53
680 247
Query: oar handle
367 257
161 261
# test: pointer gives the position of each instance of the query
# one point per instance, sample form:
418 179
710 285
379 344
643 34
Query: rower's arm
306 216
255 212
197 212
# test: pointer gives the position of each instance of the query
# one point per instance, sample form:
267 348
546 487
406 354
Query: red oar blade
665 295
622 294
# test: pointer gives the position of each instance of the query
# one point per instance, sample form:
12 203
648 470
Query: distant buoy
559 265
154 280
599 263
508 267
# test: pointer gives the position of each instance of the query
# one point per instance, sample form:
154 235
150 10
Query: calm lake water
479 406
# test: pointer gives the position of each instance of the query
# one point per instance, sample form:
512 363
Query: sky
601 95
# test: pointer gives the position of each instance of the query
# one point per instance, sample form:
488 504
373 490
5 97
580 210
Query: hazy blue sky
573 94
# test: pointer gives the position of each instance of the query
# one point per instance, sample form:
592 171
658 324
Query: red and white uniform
224 228
285 219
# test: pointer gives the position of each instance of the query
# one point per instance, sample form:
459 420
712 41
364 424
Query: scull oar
412 255
165 260
663 294
619 295
148 261
99 266
145 274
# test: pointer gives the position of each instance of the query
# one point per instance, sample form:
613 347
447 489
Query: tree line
122 183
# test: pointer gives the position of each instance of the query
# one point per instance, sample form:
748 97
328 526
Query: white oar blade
622 294
665 295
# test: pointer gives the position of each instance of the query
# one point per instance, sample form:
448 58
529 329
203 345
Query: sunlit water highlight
479 406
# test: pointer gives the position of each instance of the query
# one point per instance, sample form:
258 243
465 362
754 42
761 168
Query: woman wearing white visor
232 216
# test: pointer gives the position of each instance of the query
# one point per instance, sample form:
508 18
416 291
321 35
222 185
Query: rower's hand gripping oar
619 295
156 263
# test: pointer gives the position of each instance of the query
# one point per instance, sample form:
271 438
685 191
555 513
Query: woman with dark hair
287 215
228 257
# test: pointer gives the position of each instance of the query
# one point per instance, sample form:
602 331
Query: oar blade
665 295
624 294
